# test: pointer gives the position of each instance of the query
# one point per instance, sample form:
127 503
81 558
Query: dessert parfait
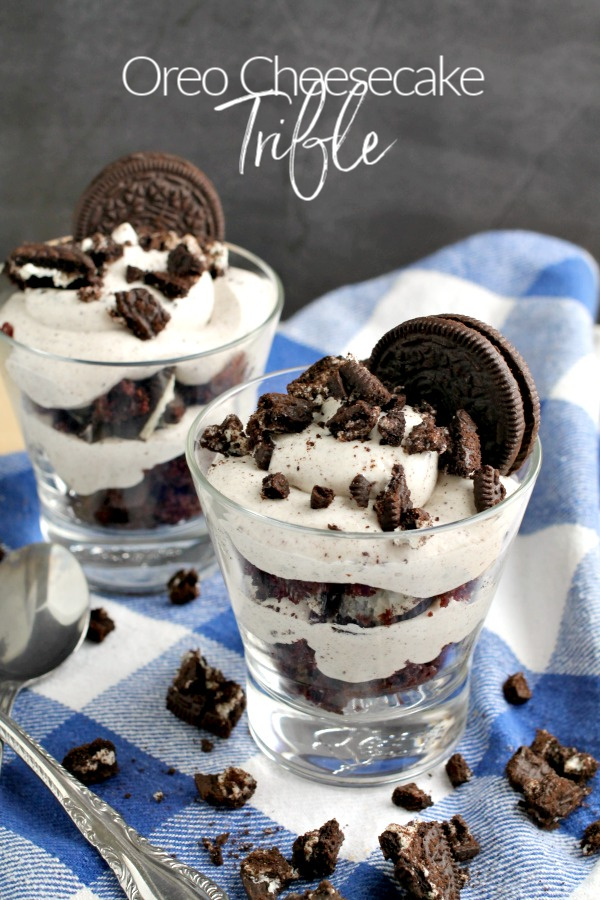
113 340
361 516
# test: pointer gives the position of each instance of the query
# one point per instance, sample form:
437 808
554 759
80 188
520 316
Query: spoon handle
8 694
144 871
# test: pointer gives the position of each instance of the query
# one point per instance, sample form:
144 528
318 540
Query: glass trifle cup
358 644
106 436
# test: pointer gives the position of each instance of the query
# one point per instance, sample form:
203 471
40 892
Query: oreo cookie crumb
183 586
463 456
333 527
321 497
325 891
230 789
590 842
360 490
142 313
265 873
424 863
551 798
202 696
275 487
426 437
391 503
76 268
392 426
183 263
567 761
411 797
100 625
525 766
158 796
92 763
315 853
134 273
215 847
458 770
262 453
488 490
90 293
102 249
319 381
361 384
228 438
462 843
206 745
415 517
354 421
516 690
278 414
170 286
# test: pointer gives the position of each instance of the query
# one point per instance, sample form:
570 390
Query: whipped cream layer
52 320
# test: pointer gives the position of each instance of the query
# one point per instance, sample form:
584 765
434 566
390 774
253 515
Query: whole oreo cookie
154 192
454 362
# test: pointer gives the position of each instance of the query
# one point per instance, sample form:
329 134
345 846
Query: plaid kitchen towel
541 292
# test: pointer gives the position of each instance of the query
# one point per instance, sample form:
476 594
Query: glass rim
534 460
175 360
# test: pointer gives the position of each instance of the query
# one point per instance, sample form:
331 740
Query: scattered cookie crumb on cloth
100 625
92 763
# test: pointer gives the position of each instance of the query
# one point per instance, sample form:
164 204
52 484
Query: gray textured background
525 154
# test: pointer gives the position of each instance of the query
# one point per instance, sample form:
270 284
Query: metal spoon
44 612
44 615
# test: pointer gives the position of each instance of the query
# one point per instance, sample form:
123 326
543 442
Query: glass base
134 562
356 750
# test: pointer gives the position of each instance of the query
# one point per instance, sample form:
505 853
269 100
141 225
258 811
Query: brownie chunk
325 891
202 696
516 690
230 789
321 497
462 843
183 586
265 873
411 797
92 763
100 625
590 842
458 770
424 864
551 798
275 487
315 853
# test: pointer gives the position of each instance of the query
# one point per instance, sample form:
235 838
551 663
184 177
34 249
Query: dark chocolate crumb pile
425 856
551 777
516 689
202 696
92 763
229 789
183 586
100 625
411 797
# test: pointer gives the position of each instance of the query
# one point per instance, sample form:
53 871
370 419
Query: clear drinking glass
111 475
358 646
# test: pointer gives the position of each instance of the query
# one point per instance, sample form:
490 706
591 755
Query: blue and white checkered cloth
541 292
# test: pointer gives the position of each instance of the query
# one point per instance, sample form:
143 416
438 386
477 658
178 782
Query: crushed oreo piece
332 527
319 381
458 770
392 426
90 293
142 313
133 273
275 487
551 798
411 796
321 497
183 586
463 456
488 490
360 490
92 763
590 842
228 438
206 745
426 437
391 503
102 249
424 864
63 266
361 384
315 853
100 625
567 761
354 421
525 766
265 873
278 414
230 789
215 847
462 843
170 286
325 891
413 518
182 262
202 696
516 690
262 453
